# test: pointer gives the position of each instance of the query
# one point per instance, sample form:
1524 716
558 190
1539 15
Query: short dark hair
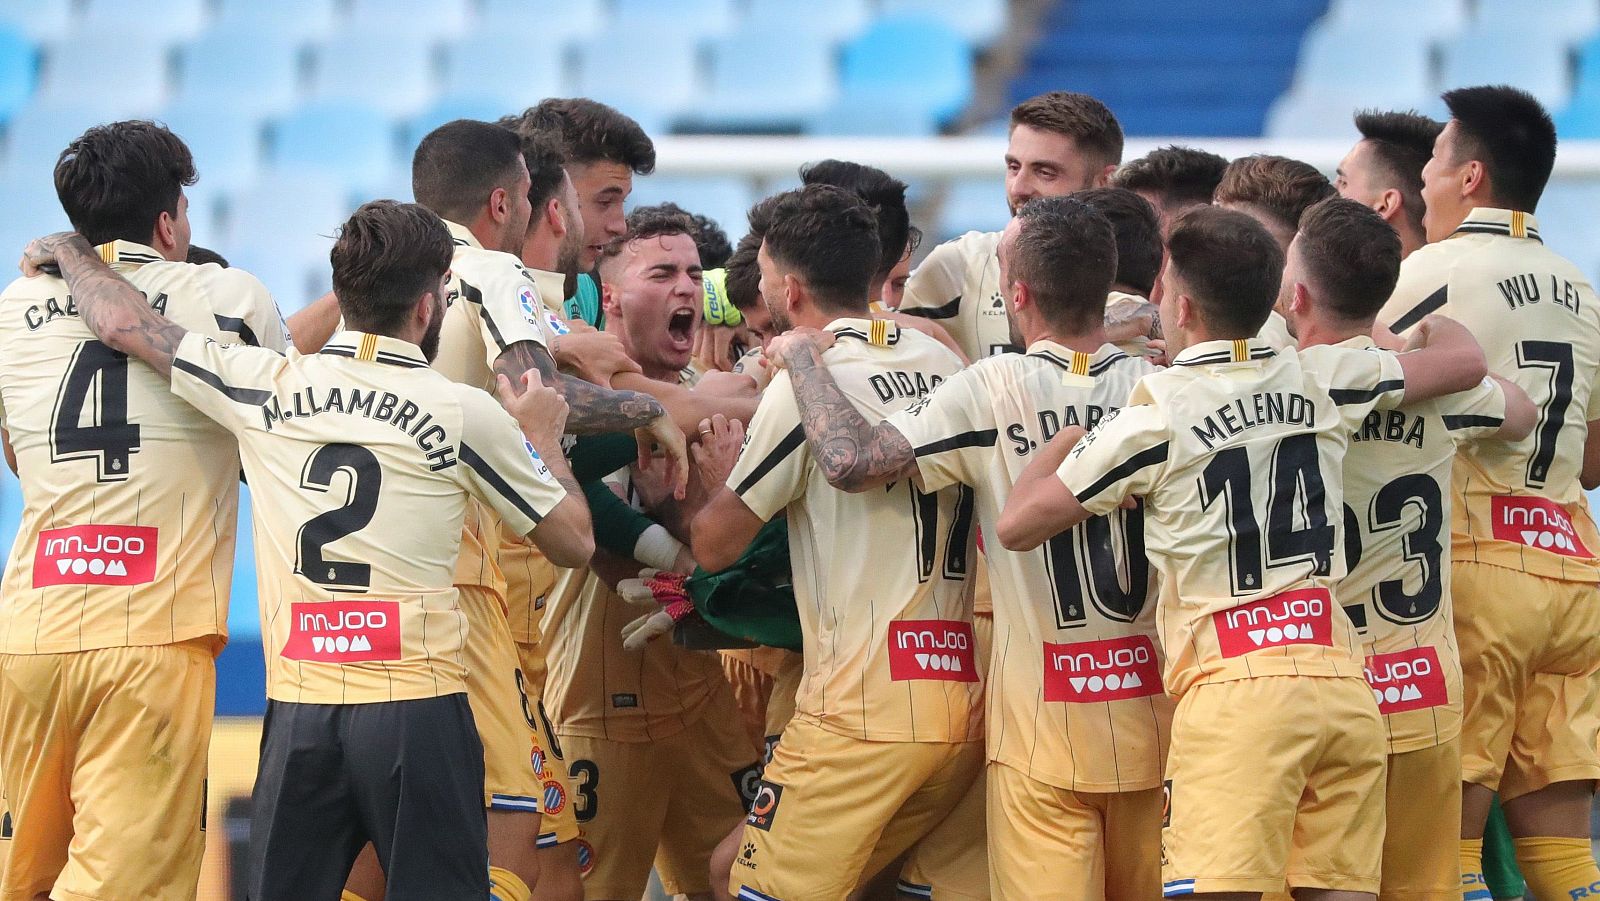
1178 175
1066 254
1138 233
1087 121
830 238
1352 256
1401 142
1512 134
115 180
200 256
1231 266
744 274
709 238
656 221
547 165
592 132
386 256
1282 187
883 194
459 164
760 216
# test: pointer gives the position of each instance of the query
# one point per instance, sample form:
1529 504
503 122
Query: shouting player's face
602 188
1444 199
656 298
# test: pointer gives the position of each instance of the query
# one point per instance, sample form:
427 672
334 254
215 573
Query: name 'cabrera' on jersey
1518 504
1074 694
1237 451
361 459
130 496
881 577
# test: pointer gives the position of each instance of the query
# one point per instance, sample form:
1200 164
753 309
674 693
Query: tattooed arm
854 454
1127 321
117 312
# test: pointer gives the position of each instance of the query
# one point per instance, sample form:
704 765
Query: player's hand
717 451
40 254
717 347
1156 352
797 340
1386 338
594 356
664 435
541 412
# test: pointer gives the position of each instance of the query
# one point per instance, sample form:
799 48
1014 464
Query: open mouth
680 328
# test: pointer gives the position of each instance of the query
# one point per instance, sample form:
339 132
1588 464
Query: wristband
656 548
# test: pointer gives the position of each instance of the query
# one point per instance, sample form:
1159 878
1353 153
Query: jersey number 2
361 502
96 381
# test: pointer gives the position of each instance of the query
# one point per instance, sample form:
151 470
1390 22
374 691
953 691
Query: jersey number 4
1298 530
96 384
364 478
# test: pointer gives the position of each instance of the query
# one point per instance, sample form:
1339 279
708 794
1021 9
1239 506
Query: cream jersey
880 577
1519 504
130 496
1074 689
1397 590
361 460
1237 450
958 286
1275 333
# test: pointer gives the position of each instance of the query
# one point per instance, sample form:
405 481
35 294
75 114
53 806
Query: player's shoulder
30 288
484 264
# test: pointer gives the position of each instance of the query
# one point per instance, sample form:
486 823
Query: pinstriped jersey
130 495
362 460
958 286
1074 688
1236 450
1518 503
880 577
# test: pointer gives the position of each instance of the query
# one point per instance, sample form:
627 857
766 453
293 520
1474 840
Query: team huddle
1214 529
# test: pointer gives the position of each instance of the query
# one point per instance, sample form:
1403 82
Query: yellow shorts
670 802
832 809
560 822
1530 648
1056 844
952 861
751 690
1421 846
780 703
103 754
1274 780
515 760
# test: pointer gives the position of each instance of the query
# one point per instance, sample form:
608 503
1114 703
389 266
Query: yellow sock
1561 868
1473 886
348 895
505 885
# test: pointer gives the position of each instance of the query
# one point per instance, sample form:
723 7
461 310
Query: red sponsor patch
1406 680
939 649
1536 522
1113 669
344 631
1303 616
95 555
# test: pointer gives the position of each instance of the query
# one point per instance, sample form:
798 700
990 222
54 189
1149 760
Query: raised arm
1041 505
1443 358
315 323
566 533
117 312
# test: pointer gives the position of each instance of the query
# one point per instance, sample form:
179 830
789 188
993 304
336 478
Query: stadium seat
833 20
107 70
41 20
226 142
1567 223
436 19
168 21
1336 62
762 80
39 133
240 68
19 70
1529 60
1565 21
726 199
1428 19
648 77
554 22
979 21
677 19
281 229
393 73
970 205
872 117
540 70
448 108
914 62
346 141
1297 114
32 210
296 20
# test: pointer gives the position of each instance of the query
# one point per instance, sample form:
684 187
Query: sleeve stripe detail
983 438
249 396
1430 303
473 295
948 311
1468 421
1148 457
499 484
790 443
239 327
1343 396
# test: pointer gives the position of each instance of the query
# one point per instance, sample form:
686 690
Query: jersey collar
877 332
1073 361
376 349
552 289
1358 342
461 235
127 253
1490 221
1241 350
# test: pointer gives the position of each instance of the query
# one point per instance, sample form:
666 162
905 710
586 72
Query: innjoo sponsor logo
939 649
1112 669
344 631
1303 616
95 555
1406 680
1536 522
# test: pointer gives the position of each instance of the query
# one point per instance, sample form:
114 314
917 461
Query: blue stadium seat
971 205
675 20
1336 63
764 80
19 69
166 21
1298 114
391 72
347 141
32 210
240 68
1428 19
979 21
1567 222
434 19
1530 60
652 80
486 107
281 229
872 117
226 142
540 70
552 23
834 20
919 63
38 133
296 20
726 200
1565 21
42 20
108 70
